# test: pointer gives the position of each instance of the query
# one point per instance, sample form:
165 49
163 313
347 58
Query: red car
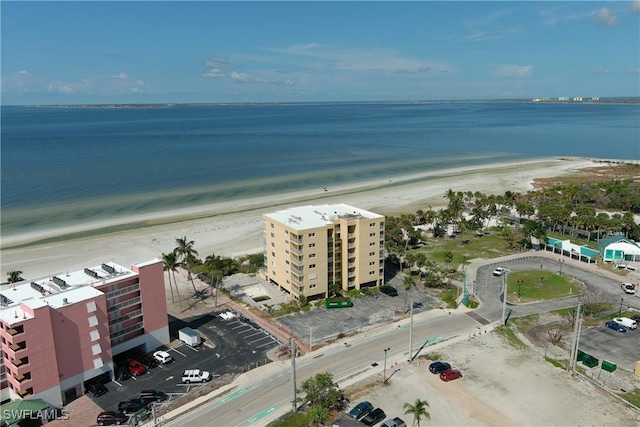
450 374
136 368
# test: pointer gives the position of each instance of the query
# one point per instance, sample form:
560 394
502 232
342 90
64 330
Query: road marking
232 395
261 415
434 339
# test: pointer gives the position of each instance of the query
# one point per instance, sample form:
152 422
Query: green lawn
466 246
535 285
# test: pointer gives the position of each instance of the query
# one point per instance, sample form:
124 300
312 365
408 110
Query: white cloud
122 76
59 87
326 57
513 70
606 17
635 71
602 72
22 73
217 68
635 7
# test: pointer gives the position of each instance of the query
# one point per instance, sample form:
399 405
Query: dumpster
338 302
580 355
609 366
590 361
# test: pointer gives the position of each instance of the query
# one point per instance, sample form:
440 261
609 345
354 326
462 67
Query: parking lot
230 345
605 343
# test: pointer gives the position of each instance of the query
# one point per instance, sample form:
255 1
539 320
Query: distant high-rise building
310 249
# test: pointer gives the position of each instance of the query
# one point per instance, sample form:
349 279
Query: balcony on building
16 330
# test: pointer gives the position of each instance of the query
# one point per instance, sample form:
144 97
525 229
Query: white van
626 322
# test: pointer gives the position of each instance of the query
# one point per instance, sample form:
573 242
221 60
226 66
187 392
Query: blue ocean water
67 165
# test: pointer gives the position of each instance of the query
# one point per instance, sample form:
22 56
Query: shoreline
235 227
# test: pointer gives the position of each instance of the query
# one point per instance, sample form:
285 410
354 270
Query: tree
14 276
418 410
318 414
187 255
170 264
595 302
409 282
321 390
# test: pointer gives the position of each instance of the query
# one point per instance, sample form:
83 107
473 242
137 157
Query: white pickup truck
195 376
628 288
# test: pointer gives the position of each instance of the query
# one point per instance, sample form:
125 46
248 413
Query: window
97 363
273 254
372 263
93 321
312 286
312 234
372 244
273 234
312 266
286 231
95 335
312 245
371 273
372 224
372 234
91 306
272 226
273 245
312 255
372 253
95 349
313 276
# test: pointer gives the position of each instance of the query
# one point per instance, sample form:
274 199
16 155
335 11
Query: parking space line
180 353
269 343
247 330
257 333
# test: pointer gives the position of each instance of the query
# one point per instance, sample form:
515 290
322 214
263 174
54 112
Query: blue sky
119 52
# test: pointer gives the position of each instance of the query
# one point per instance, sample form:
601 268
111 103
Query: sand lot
501 386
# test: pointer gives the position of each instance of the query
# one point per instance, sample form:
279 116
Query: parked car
136 369
96 389
360 410
615 326
162 357
389 290
195 376
626 322
395 422
121 373
450 374
150 396
373 417
110 418
499 271
628 288
131 406
437 367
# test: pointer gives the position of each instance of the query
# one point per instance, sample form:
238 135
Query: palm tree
14 276
418 410
187 255
171 264
409 283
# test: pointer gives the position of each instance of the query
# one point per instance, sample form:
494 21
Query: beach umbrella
18 410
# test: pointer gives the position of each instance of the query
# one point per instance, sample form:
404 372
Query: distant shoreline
616 100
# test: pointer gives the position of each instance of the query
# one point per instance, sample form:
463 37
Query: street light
384 373
519 284
620 311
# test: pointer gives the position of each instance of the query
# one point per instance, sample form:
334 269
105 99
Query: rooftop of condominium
57 290
308 217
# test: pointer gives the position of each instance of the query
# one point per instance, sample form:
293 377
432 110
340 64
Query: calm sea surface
69 165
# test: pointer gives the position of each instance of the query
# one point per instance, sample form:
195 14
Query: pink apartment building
60 331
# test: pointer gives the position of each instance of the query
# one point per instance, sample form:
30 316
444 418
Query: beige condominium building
311 249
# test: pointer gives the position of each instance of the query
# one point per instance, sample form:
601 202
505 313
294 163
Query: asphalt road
272 393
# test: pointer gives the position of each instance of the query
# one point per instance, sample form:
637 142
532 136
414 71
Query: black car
389 290
131 406
150 396
96 389
121 373
110 418
373 417
148 361
437 367
360 410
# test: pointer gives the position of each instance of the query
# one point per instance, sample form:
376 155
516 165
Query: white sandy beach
234 228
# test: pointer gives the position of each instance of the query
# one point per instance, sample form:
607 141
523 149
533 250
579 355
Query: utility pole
574 345
294 350
504 299
310 339
411 333
384 372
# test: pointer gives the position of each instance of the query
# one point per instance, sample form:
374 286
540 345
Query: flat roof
57 290
307 217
